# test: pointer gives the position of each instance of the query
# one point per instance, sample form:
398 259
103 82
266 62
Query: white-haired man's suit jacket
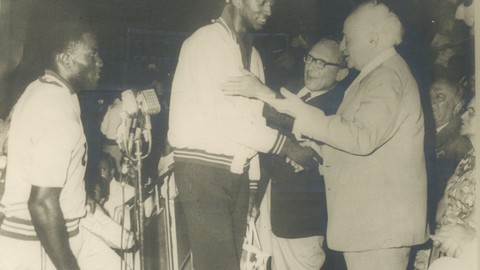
374 163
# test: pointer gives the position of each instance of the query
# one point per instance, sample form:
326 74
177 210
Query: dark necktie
305 97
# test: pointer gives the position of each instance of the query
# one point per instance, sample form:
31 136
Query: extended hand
452 238
306 157
291 104
248 86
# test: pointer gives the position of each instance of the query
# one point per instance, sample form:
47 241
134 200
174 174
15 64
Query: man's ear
341 74
63 60
373 39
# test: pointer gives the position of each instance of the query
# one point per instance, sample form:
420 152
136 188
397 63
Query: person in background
456 233
113 193
447 99
216 138
298 207
372 153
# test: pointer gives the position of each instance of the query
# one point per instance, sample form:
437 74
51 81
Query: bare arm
49 223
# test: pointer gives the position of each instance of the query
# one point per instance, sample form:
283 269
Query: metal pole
139 201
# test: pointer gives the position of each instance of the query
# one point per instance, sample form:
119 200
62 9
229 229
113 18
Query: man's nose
342 45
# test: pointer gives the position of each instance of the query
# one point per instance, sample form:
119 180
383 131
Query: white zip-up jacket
206 126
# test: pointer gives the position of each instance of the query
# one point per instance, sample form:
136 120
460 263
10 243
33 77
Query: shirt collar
313 94
377 61
441 127
60 80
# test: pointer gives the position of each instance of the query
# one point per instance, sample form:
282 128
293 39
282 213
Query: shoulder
393 73
207 35
48 103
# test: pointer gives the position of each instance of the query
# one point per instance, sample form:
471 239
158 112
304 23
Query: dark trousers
215 203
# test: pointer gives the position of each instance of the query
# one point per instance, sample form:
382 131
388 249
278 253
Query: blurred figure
456 236
113 193
466 13
447 99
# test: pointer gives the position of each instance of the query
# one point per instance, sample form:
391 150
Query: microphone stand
139 204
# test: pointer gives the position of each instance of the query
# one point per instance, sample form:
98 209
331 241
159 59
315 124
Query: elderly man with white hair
373 159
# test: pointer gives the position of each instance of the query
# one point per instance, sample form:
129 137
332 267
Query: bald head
321 77
332 48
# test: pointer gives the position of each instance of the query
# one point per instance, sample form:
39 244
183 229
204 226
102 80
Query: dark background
135 33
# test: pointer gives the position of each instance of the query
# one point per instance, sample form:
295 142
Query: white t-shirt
47 148
119 194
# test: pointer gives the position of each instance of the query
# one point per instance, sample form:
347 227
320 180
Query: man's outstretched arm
49 223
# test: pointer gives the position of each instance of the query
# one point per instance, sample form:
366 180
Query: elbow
367 142
34 207
40 208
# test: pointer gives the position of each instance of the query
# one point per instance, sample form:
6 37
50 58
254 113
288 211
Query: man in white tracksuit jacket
216 138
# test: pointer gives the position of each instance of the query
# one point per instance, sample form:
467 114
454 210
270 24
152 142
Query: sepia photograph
238 135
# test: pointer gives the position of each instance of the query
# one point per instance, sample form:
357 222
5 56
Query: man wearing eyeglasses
298 208
373 158
298 211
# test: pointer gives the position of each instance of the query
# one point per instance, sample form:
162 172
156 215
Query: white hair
380 19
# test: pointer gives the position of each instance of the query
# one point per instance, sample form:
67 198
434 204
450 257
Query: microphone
130 107
148 102
149 105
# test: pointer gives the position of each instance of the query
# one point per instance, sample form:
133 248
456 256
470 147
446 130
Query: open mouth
262 20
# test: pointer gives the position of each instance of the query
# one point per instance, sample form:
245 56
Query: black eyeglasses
320 63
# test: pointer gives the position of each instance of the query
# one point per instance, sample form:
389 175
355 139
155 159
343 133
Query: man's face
255 13
355 43
86 63
105 170
316 78
468 125
444 105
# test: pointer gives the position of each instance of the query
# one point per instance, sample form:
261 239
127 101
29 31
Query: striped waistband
201 157
23 229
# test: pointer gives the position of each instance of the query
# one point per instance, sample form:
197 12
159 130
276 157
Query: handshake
303 156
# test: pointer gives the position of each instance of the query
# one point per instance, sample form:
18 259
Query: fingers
449 248
287 94
448 245
230 88
317 158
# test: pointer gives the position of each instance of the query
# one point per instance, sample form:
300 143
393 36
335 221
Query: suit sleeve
374 122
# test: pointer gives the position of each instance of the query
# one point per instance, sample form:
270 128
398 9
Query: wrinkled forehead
442 87
328 50
356 24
